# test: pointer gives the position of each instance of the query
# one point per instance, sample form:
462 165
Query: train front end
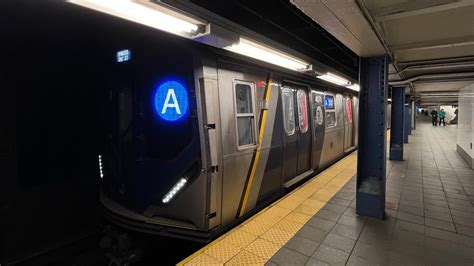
151 167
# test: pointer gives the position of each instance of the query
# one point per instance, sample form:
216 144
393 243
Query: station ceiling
430 42
284 23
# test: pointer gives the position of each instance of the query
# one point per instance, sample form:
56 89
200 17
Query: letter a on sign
171 96
171 101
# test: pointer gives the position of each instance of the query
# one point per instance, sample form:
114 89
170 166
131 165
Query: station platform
429 207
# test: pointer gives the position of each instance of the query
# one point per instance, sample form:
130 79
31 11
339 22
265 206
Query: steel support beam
396 128
370 196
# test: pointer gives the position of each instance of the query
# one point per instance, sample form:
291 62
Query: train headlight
101 167
174 190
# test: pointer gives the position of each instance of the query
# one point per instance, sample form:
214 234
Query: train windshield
168 125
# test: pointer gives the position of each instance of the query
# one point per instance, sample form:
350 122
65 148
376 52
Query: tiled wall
465 134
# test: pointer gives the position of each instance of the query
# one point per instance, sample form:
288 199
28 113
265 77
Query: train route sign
171 101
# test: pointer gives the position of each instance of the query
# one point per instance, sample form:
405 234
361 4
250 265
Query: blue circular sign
171 101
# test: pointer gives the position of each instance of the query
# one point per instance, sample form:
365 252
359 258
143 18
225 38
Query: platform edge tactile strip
265 232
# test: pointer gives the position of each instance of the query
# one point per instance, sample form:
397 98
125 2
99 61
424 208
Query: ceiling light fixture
335 79
354 87
146 13
258 51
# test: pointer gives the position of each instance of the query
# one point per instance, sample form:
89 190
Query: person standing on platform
442 115
434 117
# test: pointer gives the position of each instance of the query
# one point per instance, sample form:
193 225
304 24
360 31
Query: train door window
288 111
330 111
302 110
349 109
244 112
317 110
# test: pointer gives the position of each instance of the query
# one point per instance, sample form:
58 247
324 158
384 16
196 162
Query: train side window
330 119
302 110
288 111
244 113
330 111
243 98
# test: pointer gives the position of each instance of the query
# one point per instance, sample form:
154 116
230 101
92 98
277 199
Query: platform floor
430 197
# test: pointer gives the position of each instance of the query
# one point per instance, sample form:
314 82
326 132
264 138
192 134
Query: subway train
199 138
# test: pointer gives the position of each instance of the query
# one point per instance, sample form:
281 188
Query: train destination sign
123 55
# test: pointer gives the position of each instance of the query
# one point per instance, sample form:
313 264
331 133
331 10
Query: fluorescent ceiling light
354 87
144 12
333 78
266 54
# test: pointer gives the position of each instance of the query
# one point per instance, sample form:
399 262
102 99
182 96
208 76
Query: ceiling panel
436 53
417 31
442 86
429 27
384 7
344 20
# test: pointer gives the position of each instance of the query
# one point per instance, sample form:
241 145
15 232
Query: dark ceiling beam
276 24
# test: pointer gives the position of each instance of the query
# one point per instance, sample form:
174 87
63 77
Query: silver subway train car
200 138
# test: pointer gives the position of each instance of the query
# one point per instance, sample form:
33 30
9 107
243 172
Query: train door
209 99
348 122
317 115
355 118
297 151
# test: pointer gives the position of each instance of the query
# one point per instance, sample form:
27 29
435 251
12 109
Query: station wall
465 132
450 115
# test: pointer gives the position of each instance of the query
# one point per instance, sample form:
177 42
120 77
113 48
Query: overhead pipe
454 94
438 61
443 77
365 11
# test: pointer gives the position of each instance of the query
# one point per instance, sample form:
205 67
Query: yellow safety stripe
294 209
257 154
